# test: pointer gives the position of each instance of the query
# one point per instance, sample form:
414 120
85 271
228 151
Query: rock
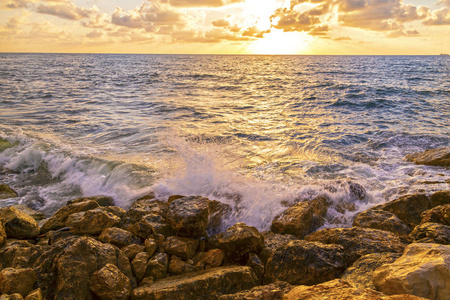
101 200
184 248
17 281
3 237
132 250
18 254
189 216
35 295
6 192
117 211
272 242
431 233
257 265
206 284
440 198
359 241
273 291
302 262
174 197
139 265
151 246
118 237
218 212
37 215
340 290
157 266
383 220
439 214
434 157
158 223
58 220
18 224
110 283
423 270
15 296
359 275
302 218
177 266
92 222
212 258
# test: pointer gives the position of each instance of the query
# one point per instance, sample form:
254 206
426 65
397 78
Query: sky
310 27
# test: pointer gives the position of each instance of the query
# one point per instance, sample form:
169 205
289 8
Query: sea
259 133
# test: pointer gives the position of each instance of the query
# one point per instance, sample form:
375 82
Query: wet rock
239 240
302 262
189 216
383 220
431 233
359 241
218 213
18 224
423 270
272 242
439 214
92 222
273 291
158 223
37 215
132 250
157 266
17 281
359 275
118 237
339 290
7 192
302 218
58 220
2 234
110 283
18 254
182 247
139 265
433 157
206 284
257 265
178 266
101 200
212 258
174 197
35 295
151 245
117 211
440 198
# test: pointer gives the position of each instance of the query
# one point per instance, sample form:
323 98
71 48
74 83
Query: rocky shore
91 249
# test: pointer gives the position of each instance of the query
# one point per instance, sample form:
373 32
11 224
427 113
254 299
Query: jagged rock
206 284
422 270
35 295
150 246
7 192
139 265
211 259
439 214
101 200
92 222
383 220
239 240
15 296
340 290
132 250
302 218
117 211
359 275
18 254
17 281
58 220
359 241
440 198
158 223
273 241
157 266
433 157
109 283
18 224
302 262
431 233
3 237
37 215
189 216
178 266
257 265
184 248
218 212
174 197
118 237
273 291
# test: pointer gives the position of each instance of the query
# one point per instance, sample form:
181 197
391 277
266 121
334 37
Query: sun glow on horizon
282 43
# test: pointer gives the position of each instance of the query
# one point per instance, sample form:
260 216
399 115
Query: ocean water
259 133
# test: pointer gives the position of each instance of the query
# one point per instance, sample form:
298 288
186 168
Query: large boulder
206 284
439 214
440 198
383 220
239 240
273 291
431 233
359 241
359 275
182 247
37 215
302 218
273 241
132 250
422 270
7 192
109 283
92 221
19 254
340 290
302 262
101 200
189 216
210 259
118 237
17 281
433 157
18 224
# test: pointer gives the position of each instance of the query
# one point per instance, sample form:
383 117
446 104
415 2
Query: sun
279 42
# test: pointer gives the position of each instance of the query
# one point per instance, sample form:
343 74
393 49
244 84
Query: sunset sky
226 26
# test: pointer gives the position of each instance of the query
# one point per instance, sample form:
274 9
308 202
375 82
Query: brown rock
273 291
109 283
151 246
439 214
383 220
7 192
37 215
440 198
18 254
257 265
17 281
423 270
218 212
212 258
139 265
431 233
174 197
35 295
189 216
101 200
118 237
272 242
359 241
182 247
2 234
157 266
92 222
132 250
433 157
18 224
15 296
117 211
178 267
207 284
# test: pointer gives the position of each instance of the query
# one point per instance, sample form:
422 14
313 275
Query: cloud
292 20
67 11
343 38
255 32
201 3
403 33
220 23
438 17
